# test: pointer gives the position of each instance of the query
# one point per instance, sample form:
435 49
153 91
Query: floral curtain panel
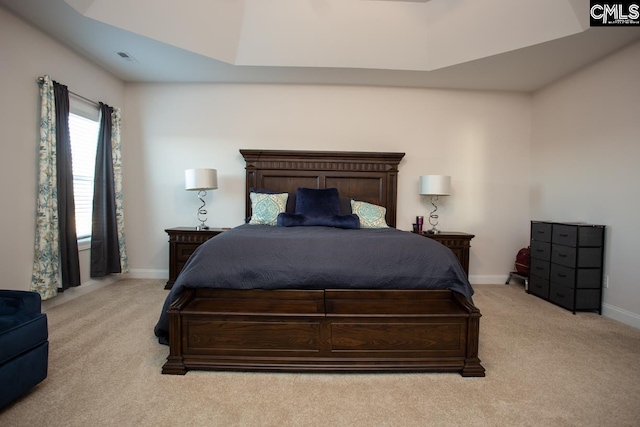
117 178
45 277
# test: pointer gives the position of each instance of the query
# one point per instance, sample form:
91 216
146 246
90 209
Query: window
84 125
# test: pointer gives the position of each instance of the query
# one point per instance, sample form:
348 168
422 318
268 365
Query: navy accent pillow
338 221
345 206
315 202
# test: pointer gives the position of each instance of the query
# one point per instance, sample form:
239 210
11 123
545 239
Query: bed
239 305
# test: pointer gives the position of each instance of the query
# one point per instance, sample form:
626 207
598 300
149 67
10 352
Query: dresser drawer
585 299
566 235
576 257
591 236
564 255
578 235
588 299
541 231
589 258
589 278
541 250
539 286
539 268
562 275
576 278
561 295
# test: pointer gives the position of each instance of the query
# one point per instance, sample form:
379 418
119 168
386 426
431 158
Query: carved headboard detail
367 176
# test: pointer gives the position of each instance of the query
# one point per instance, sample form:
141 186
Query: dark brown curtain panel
69 261
105 250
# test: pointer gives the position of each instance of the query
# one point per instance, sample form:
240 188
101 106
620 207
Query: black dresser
567 264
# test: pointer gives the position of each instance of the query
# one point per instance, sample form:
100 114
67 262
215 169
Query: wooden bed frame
324 330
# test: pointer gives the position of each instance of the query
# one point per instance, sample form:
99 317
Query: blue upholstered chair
24 345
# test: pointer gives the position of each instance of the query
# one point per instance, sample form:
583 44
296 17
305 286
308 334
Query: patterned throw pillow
371 216
265 208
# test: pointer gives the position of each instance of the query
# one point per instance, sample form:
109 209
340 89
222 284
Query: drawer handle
562 275
562 255
541 232
539 250
559 295
564 235
539 268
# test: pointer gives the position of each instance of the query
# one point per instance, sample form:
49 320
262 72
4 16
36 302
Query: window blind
83 132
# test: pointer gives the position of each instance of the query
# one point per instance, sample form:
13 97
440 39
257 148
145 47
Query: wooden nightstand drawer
458 242
183 241
184 251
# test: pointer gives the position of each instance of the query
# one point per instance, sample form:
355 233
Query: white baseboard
84 288
624 316
488 279
142 273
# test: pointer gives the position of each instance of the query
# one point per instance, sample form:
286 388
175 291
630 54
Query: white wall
585 165
481 139
25 55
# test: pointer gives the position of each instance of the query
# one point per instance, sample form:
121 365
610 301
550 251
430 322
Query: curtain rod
86 99
97 104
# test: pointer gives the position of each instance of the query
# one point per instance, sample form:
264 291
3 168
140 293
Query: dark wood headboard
370 177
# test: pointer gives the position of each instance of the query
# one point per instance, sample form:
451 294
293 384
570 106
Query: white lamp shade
435 185
201 179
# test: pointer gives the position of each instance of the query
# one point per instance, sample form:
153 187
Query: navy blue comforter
265 257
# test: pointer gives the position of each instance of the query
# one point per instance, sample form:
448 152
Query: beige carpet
545 367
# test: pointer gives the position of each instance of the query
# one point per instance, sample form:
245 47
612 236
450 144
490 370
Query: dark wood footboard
324 330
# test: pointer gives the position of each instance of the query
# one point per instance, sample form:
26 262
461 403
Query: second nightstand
458 242
183 241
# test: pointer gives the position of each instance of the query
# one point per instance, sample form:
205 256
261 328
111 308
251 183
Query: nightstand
183 241
458 242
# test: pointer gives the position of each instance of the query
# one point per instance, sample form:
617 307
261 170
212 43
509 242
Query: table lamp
434 186
201 180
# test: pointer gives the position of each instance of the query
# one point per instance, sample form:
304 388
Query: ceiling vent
127 57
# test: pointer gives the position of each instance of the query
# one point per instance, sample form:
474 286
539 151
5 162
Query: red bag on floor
523 261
